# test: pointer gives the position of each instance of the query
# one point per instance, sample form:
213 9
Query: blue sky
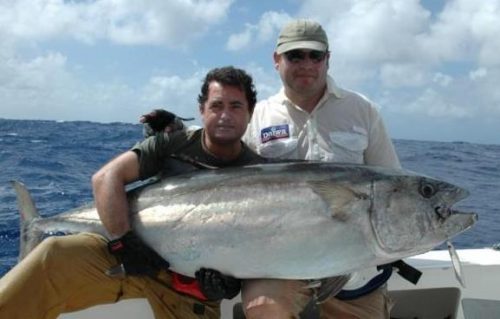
433 67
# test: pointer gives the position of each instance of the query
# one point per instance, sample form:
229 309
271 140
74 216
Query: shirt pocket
285 148
348 147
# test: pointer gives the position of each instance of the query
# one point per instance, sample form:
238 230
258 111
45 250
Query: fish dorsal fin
25 203
28 212
339 196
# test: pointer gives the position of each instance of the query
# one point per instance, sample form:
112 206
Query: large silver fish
302 220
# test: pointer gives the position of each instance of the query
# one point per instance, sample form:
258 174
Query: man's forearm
109 193
112 206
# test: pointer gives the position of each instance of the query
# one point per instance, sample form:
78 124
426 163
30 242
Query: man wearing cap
312 118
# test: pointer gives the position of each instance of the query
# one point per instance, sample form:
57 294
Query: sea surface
55 160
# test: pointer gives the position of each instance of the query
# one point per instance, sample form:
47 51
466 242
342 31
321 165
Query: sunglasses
295 56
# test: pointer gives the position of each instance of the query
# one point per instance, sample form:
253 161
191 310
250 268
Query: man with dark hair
68 273
227 76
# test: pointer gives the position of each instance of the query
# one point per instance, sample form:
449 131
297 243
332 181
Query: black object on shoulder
157 120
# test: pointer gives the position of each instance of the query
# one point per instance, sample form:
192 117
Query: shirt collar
332 87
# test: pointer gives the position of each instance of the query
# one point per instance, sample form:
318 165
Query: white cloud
468 29
264 30
403 75
485 93
40 83
486 29
442 79
171 23
370 31
400 53
434 104
44 88
241 40
478 74
28 86
174 93
408 60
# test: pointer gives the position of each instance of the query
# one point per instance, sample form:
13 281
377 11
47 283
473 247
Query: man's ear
276 58
202 111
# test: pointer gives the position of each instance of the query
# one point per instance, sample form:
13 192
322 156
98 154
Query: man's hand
216 286
136 257
159 120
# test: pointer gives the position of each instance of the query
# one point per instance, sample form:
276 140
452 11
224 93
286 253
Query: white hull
481 268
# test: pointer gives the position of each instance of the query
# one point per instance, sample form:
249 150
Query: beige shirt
343 127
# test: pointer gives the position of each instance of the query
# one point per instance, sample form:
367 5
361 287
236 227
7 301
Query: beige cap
302 34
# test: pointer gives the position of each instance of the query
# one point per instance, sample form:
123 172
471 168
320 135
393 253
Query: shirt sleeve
152 153
380 151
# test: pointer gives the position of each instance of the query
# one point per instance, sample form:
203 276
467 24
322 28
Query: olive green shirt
182 151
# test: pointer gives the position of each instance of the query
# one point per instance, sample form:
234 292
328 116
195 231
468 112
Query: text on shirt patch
274 132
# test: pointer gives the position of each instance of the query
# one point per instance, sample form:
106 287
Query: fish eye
427 190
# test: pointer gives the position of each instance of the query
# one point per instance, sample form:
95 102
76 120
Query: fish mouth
444 212
454 195
453 220
459 221
455 212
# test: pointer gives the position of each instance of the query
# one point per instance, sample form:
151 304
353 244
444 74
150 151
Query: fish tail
28 213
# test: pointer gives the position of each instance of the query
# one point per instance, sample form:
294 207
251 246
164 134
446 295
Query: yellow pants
65 274
274 298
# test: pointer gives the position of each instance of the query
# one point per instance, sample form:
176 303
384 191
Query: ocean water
56 160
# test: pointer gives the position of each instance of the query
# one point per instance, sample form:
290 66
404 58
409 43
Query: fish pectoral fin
339 196
330 287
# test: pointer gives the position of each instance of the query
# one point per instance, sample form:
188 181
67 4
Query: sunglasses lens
317 56
296 56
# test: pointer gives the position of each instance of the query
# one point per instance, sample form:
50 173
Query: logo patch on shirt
274 133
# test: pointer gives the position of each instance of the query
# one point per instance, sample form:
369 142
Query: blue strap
370 286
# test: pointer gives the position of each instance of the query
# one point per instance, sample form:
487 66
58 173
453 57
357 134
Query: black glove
136 257
216 286
160 120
